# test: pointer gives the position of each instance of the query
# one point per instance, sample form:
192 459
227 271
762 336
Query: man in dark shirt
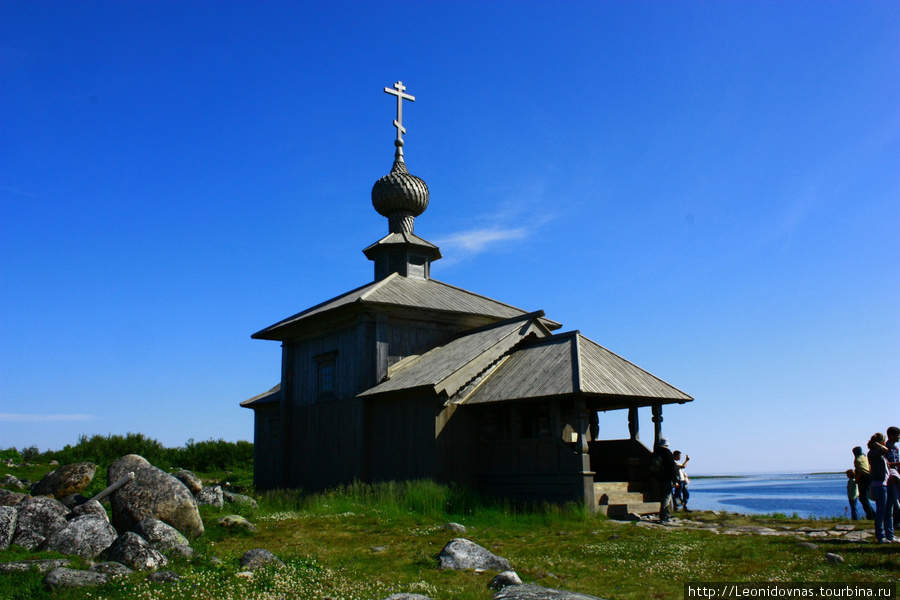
666 477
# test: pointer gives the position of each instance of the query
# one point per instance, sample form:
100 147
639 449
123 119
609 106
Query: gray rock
153 494
536 592
407 597
71 578
240 500
73 501
461 554
237 522
844 527
259 557
66 480
454 527
211 496
134 552
162 536
8 498
190 481
42 565
504 579
91 508
807 545
9 517
113 569
38 518
12 481
86 536
834 559
164 577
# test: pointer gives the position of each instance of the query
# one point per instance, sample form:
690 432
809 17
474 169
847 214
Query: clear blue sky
709 189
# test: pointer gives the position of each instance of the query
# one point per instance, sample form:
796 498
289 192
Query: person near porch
666 477
681 482
863 480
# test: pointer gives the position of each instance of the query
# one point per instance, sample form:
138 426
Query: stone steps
619 498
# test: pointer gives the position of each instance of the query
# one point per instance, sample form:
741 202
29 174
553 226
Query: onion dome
399 196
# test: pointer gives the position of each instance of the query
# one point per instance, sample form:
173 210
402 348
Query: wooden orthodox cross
398 90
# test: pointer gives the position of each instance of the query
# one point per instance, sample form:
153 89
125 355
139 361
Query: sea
808 495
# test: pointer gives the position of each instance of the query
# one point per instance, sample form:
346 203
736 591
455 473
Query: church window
325 376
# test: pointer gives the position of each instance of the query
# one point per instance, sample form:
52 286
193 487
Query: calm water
806 495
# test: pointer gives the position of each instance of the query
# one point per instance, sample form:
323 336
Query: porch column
595 425
657 424
633 423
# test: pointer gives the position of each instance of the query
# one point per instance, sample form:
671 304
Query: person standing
852 494
893 488
878 471
666 476
681 481
863 480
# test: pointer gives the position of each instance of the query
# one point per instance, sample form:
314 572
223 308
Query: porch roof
567 364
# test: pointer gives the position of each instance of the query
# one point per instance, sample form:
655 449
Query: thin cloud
23 418
479 240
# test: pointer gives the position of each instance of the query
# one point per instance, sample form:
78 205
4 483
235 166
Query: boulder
407 597
163 577
153 494
42 565
212 496
86 536
12 481
190 481
240 500
237 522
134 552
90 508
113 569
9 517
536 592
504 579
460 554
161 536
259 557
454 527
66 480
37 519
8 498
834 559
72 578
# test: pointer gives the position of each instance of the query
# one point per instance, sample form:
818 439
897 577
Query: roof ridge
378 285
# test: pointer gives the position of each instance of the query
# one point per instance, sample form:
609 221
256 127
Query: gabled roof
273 396
566 364
410 292
445 369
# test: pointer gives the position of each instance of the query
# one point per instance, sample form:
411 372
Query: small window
325 376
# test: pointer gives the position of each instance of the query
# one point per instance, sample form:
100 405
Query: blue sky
709 189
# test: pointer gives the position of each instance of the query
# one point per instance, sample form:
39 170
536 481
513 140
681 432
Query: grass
366 542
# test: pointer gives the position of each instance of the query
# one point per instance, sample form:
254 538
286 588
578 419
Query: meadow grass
366 542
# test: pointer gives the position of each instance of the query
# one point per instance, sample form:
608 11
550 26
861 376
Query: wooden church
408 377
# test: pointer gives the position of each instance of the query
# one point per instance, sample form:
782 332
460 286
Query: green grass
365 542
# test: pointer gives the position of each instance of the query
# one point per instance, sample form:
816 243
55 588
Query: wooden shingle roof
408 292
445 369
273 396
567 364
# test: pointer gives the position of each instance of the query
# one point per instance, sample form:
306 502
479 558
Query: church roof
448 367
273 396
570 363
409 292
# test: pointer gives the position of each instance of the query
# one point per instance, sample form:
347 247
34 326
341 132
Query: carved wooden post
633 423
657 424
595 425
